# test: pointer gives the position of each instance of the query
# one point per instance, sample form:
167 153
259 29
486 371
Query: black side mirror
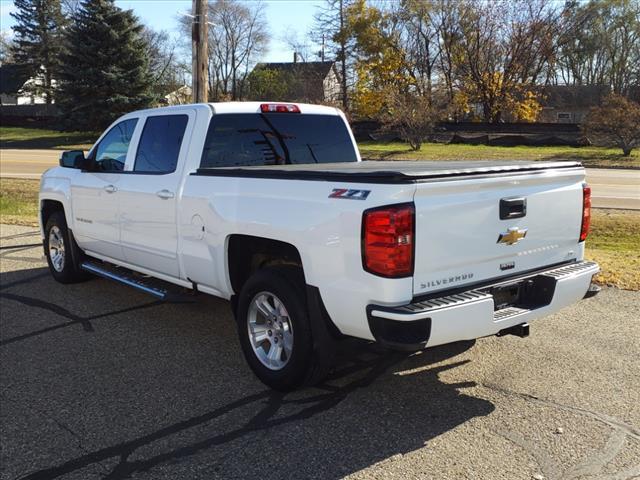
73 159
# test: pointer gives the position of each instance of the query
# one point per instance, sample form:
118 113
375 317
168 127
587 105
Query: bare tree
413 117
238 38
420 39
331 28
6 47
430 37
168 69
447 18
602 45
504 49
615 123
300 46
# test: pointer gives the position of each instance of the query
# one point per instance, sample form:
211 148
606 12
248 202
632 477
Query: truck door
149 193
95 194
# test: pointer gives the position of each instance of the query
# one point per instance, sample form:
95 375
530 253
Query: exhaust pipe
592 291
521 330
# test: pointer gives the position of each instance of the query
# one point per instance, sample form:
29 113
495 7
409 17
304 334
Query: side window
111 152
160 144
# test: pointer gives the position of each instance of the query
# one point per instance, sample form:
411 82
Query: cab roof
254 107
240 107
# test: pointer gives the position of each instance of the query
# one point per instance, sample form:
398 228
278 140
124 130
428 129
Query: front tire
275 331
61 250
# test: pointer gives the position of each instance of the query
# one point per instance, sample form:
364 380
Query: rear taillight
387 240
586 212
279 108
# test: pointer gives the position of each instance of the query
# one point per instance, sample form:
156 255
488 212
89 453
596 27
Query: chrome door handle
165 194
110 189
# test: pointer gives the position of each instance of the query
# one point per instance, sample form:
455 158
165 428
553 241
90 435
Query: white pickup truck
270 206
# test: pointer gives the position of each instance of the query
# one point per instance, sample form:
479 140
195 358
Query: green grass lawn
39 138
589 156
614 241
19 201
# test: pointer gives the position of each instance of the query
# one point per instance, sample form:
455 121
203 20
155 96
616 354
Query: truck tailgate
461 238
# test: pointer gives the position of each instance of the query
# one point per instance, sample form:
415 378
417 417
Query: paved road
98 381
15 163
615 188
611 188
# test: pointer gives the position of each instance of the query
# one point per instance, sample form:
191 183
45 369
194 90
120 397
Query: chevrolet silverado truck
270 206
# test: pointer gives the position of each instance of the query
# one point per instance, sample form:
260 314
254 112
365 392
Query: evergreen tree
38 31
104 70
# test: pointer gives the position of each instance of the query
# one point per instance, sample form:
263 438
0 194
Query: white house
180 96
16 86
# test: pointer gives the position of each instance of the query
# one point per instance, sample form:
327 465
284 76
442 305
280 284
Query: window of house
564 117
160 144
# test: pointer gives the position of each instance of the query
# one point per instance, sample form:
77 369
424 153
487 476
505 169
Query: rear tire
271 316
62 252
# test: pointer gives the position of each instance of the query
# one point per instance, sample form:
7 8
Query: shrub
413 117
615 123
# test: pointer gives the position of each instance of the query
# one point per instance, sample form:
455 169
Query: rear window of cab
260 139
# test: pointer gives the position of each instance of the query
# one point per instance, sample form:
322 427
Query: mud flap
324 344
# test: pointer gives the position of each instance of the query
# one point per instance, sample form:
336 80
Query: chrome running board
131 279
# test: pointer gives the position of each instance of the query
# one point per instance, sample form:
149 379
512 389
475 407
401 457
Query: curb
613 167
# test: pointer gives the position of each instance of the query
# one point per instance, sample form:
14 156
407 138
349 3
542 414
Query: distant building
634 93
180 96
570 103
17 86
306 81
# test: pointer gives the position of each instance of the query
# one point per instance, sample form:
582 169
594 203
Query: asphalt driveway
98 381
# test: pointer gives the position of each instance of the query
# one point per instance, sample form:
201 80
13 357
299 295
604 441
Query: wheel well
47 208
246 254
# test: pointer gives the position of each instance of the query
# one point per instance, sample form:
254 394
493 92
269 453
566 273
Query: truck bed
388 172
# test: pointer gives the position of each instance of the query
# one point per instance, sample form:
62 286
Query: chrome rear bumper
476 313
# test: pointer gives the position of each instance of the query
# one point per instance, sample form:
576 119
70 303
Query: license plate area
529 293
506 296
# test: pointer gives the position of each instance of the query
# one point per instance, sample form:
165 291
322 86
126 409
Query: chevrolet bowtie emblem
513 236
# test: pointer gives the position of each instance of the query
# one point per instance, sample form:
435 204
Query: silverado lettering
446 281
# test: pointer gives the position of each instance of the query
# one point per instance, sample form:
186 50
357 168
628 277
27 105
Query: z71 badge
349 194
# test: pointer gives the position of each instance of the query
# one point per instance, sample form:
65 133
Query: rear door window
160 142
249 139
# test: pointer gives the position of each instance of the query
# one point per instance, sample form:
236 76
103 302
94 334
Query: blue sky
282 15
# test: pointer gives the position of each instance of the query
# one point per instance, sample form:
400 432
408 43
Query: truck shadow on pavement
374 406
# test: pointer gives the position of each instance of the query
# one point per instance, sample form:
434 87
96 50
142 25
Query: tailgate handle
513 207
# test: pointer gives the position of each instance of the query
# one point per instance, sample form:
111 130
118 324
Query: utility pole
200 54
343 59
